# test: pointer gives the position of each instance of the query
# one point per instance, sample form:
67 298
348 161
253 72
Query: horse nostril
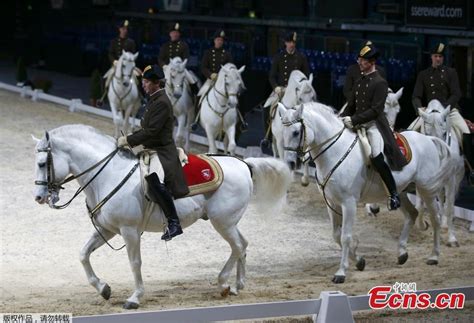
37 198
292 165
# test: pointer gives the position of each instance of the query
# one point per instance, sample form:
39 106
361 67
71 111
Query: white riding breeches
375 138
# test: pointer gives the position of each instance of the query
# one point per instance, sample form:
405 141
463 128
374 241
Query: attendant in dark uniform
174 47
285 62
157 134
366 109
122 42
215 57
353 73
441 83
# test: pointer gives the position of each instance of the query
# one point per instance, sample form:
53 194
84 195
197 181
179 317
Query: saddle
399 138
202 173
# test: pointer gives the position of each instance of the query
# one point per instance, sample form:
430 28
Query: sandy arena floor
291 255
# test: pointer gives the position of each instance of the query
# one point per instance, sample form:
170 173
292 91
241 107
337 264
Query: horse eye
41 165
296 133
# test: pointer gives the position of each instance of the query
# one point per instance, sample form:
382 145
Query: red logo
206 174
404 296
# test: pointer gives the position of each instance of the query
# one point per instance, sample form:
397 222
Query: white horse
179 92
219 107
72 149
123 93
299 90
391 109
344 179
435 124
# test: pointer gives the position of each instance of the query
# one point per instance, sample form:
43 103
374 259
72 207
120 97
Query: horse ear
242 69
35 139
135 56
299 111
123 51
185 62
399 93
310 78
46 134
423 114
446 111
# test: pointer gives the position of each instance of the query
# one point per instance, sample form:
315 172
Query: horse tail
271 178
433 185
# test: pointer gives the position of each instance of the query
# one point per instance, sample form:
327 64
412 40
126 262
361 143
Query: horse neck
289 99
325 130
83 154
219 91
118 68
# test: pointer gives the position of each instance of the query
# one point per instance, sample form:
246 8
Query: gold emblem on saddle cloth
211 185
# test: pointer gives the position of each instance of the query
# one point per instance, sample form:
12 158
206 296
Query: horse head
175 74
229 81
392 106
125 67
294 134
51 168
435 118
304 90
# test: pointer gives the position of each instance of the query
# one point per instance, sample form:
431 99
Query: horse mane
434 105
318 108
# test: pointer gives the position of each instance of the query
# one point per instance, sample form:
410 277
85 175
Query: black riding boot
386 174
194 92
161 195
468 150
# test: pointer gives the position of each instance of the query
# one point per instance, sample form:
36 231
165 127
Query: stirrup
393 202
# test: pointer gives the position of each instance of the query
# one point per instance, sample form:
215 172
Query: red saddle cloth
403 145
203 174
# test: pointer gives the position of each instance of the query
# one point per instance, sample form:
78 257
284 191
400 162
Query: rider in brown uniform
157 134
366 109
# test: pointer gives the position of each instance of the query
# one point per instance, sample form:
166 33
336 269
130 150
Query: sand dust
291 255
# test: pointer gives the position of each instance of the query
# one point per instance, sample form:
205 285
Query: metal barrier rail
330 307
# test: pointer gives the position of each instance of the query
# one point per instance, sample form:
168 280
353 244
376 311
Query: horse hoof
106 291
130 305
432 262
338 279
304 182
240 285
374 210
361 264
225 292
233 292
402 259
453 244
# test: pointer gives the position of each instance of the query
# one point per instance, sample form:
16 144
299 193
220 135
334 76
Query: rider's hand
347 122
213 76
278 90
122 142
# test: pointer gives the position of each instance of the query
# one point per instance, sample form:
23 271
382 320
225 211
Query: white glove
213 76
122 142
347 122
278 90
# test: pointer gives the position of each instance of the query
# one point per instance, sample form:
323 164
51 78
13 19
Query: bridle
122 75
54 186
302 151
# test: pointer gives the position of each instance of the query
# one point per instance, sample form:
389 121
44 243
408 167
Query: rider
283 64
211 63
176 47
117 45
441 83
353 73
366 109
157 134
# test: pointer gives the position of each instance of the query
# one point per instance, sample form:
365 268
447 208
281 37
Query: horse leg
226 143
211 140
126 120
117 118
349 209
94 242
432 206
275 149
421 223
189 121
180 132
132 240
240 279
232 236
410 213
447 220
305 177
231 140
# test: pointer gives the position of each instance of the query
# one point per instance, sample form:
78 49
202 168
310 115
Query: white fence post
74 104
24 91
334 308
35 95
